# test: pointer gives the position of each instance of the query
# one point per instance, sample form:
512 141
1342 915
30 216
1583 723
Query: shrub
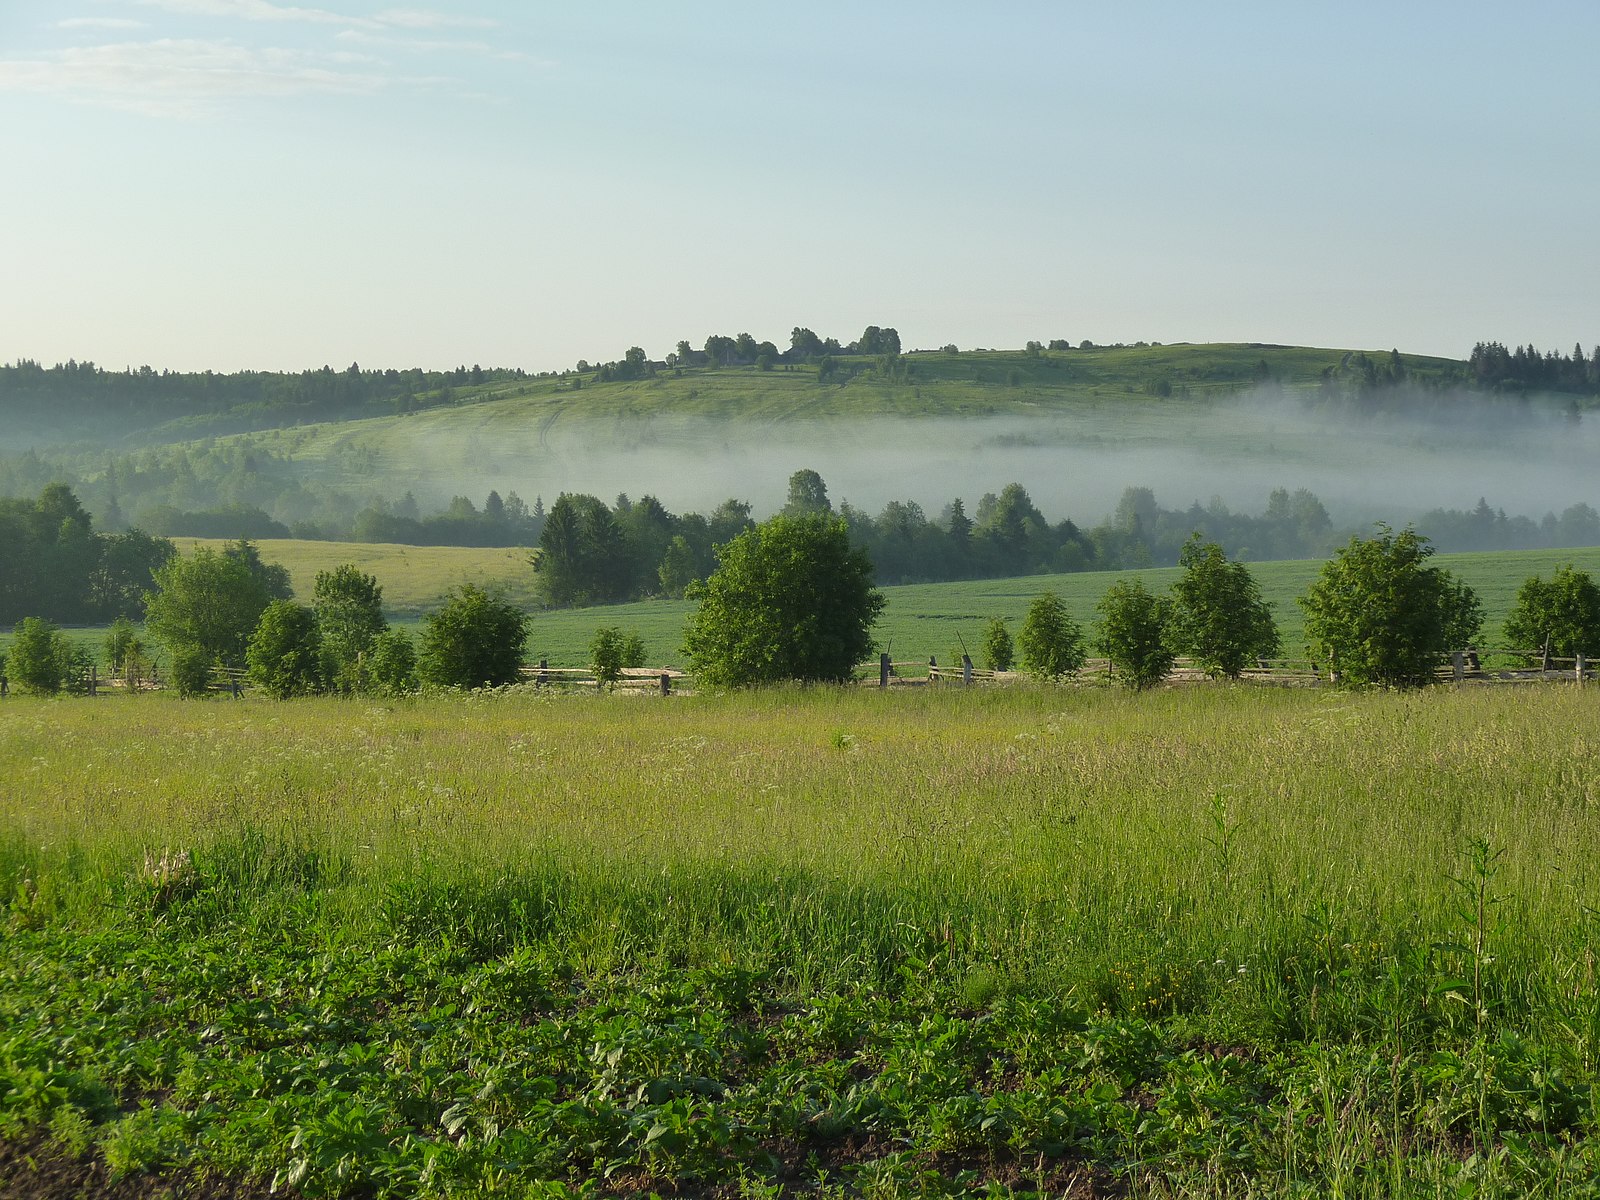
392 665
285 652
1134 634
1381 615
606 654
191 670
349 609
39 656
998 650
790 599
1564 608
207 604
1218 614
475 640
1051 641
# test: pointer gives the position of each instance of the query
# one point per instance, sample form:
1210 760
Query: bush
1051 641
1134 634
392 665
39 656
1219 616
349 609
1380 615
475 640
1565 609
606 654
191 670
208 605
998 650
790 599
126 655
285 652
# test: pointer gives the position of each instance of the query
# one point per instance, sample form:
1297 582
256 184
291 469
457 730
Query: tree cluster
53 563
1525 369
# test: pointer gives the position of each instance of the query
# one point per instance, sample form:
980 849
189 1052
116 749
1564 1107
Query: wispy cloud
99 23
420 18
267 10
187 77
420 45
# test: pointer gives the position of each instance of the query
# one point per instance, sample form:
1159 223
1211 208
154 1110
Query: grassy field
415 579
1202 942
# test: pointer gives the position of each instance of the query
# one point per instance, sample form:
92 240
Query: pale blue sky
247 183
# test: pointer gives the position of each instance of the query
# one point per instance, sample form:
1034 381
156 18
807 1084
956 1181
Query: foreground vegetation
1206 942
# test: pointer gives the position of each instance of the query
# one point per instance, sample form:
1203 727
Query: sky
249 184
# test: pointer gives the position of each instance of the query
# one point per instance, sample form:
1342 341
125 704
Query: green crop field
1209 941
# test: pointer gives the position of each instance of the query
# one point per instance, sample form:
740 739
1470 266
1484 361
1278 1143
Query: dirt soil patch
38 1170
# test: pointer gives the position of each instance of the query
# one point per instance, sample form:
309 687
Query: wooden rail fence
1461 666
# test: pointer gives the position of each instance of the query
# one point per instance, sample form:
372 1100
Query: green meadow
1208 941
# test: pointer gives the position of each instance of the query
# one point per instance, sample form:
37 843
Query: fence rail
1461 666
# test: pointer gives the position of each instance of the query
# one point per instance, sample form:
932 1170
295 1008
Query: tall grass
1162 853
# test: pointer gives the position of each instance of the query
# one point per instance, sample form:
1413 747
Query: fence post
666 684
883 670
543 676
933 668
1458 665
1545 665
94 681
1583 666
966 669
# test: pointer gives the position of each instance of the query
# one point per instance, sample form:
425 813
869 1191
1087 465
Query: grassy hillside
568 432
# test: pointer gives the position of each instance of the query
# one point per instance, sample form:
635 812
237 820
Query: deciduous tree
790 599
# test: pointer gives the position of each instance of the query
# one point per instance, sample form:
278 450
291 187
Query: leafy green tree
393 664
999 652
679 567
1051 641
39 656
207 604
790 599
1133 633
1380 615
475 640
1565 608
1219 616
349 607
272 577
285 651
807 494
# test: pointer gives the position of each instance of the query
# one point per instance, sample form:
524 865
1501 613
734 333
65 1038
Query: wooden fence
1462 666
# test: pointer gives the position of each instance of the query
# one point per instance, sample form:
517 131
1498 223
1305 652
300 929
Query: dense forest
202 403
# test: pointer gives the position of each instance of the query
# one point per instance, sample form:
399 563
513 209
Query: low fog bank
1526 458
